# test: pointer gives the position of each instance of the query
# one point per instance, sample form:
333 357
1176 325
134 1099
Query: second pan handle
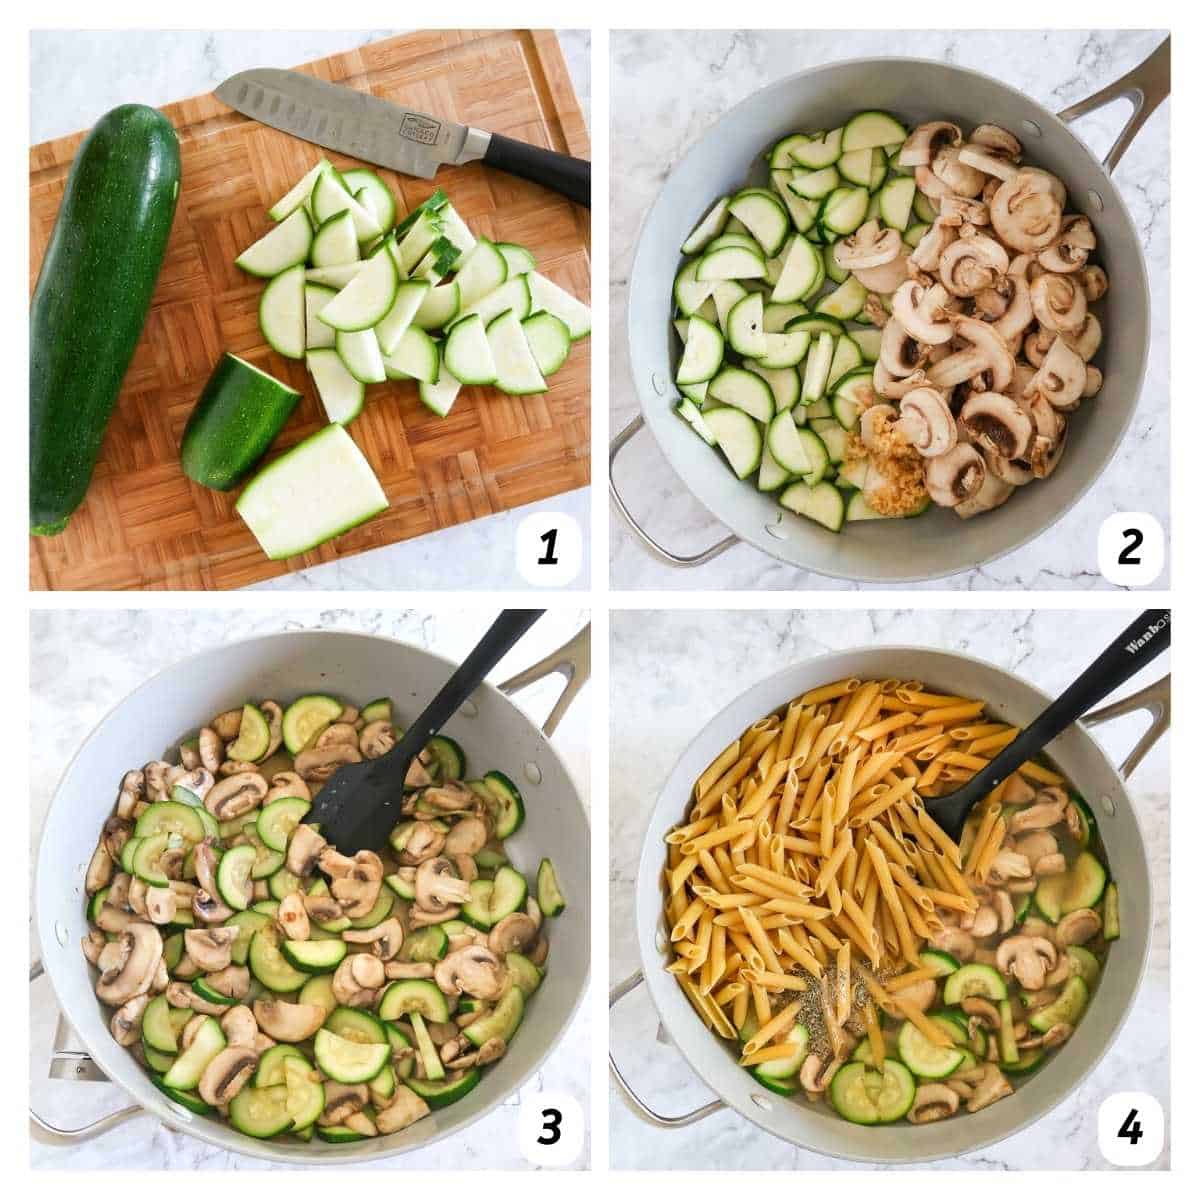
1145 87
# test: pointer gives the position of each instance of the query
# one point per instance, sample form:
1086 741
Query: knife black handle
572 177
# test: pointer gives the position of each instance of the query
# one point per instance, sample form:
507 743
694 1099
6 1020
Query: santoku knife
390 135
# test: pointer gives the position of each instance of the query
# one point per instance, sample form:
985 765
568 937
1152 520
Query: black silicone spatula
360 805
1143 641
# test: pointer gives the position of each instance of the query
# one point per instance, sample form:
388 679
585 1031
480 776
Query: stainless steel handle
638 1106
1145 87
1154 699
572 661
676 560
83 1070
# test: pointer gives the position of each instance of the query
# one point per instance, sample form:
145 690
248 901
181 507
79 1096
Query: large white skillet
940 543
816 1127
150 722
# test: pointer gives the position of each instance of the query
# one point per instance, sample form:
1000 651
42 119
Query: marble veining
669 88
82 664
76 76
663 693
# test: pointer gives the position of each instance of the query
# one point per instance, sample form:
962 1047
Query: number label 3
550 1129
1131 549
1131 1129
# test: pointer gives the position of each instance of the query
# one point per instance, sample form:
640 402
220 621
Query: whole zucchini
236 418
91 300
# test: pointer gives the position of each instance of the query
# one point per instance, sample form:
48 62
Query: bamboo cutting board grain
144 524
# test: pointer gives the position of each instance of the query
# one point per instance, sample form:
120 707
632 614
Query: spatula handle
1140 643
507 629
572 177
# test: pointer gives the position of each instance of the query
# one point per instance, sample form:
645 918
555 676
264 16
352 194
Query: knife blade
391 135
352 122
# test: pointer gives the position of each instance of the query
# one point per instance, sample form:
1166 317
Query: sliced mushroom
1058 304
1077 928
292 917
236 795
926 422
998 423
317 766
474 970
126 1024
437 888
1027 959
1045 814
288 1022
1026 211
211 748
305 848
274 715
468 835
155 774
239 1026
871 245
233 981
385 939
956 475
340 733
1094 282
407 970
342 1100
160 905
1069 251
99 870
405 1108
226 1074
959 176
228 724
933 1102
358 890
357 979
923 144
377 739
983 351
1086 341
922 312
210 949
424 841
516 932
140 950
991 1087
972 264
93 943
451 797
285 784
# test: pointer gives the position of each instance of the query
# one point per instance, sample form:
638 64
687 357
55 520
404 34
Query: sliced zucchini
501 1021
261 1112
975 979
305 719
207 1043
314 958
441 1092
346 1061
866 1096
254 736
549 893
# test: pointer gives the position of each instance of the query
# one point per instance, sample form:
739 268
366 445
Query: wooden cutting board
144 524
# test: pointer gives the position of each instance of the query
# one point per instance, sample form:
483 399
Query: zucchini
237 417
549 893
346 1061
253 739
975 979
869 1097
91 300
440 1093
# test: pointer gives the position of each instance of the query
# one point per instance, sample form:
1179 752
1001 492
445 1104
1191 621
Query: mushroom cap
358 889
900 353
885 279
385 939
1061 378
210 949
305 846
1058 304
424 840
475 970
956 475
984 350
962 178
1086 341
287 784
126 1023
468 835
972 264
376 739
995 492
992 1086
239 1026
318 765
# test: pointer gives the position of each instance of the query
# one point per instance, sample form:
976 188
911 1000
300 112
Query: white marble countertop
75 76
667 89
663 693
84 662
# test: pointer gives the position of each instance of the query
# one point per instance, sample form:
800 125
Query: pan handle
635 1102
572 661
85 1070
1145 87
676 560
1154 699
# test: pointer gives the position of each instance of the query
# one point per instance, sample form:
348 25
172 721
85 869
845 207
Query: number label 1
1131 1129
549 549
550 1129
1131 549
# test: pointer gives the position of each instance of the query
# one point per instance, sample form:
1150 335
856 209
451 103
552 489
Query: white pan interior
815 1126
728 157
149 723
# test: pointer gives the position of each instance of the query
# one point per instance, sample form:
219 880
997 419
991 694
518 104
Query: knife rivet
533 772
469 708
1109 805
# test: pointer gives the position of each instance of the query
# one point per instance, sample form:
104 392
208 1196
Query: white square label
549 549
1131 549
1131 1128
